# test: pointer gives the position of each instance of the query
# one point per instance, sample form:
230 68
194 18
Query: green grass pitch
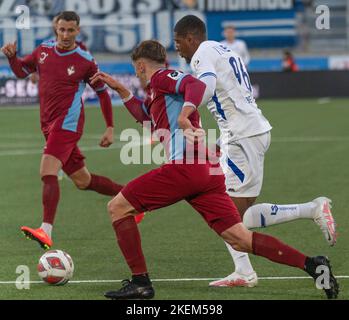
308 157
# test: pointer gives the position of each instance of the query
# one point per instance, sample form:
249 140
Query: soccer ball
55 267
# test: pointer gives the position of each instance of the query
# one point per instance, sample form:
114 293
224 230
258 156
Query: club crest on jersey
175 75
43 56
71 70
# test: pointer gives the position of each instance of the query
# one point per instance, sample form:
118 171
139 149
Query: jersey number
240 72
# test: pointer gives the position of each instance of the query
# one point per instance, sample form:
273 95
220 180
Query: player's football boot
324 219
236 280
139 217
131 290
38 235
319 268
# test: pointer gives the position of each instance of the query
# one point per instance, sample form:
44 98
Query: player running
171 105
245 138
64 70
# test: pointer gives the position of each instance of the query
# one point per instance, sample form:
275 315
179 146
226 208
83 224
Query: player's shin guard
104 185
50 198
276 251
129 241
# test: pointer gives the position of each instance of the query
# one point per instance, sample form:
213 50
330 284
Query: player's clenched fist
9 50
108 138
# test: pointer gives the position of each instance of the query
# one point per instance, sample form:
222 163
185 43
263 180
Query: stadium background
308 156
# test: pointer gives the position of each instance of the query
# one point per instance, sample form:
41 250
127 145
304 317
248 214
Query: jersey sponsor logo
71 70
175 75
43 57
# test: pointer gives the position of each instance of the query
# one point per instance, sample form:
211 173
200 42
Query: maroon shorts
171 183
63 145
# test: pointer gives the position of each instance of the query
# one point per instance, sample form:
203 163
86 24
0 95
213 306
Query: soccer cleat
131 290
139 217
324 219
319 268
236 280
38 235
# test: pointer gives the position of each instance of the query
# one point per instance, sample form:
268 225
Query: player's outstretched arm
112 83
18 66
133 104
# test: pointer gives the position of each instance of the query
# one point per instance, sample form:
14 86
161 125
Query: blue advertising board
118 26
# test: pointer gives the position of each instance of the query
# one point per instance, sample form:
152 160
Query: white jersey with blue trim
233 105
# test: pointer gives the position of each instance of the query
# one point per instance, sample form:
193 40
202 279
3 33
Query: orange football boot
139 217
38 235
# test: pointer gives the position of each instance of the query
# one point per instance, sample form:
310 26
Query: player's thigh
165 186
243 166
217 209
75 167
61 145
243 204
49 165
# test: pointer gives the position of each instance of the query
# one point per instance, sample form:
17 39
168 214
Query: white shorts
242 162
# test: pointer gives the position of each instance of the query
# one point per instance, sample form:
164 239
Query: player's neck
152 70
61 48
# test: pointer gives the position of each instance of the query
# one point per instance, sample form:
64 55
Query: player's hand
9 50
107 79
195 136
107 138
191 133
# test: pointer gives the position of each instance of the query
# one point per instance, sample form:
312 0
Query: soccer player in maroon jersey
64 70
34 77
171 105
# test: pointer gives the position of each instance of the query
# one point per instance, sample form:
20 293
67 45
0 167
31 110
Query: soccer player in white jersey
236 45
245 138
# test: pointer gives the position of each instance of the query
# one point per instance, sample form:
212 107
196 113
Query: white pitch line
39 151
168 280
310 139
119 145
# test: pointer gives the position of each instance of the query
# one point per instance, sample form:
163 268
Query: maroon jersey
63 77
167 92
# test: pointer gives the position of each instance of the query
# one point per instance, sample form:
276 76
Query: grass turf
307 158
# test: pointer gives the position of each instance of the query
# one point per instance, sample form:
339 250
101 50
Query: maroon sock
129 240
50 198
276 251
104 186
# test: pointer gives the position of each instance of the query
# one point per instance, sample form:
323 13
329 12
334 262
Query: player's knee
114 208
81 184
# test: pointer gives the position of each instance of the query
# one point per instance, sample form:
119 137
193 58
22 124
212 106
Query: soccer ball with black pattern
55 267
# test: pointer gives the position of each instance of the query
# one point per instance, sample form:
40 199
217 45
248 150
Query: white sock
241 261
47 228
266 214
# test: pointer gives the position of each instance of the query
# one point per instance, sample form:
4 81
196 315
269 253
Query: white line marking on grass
119 145
310 139
170 280
39 151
